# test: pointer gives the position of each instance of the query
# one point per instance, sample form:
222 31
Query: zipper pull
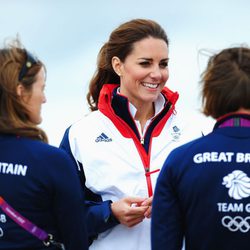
142 140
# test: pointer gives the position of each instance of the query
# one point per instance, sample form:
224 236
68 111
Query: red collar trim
104 105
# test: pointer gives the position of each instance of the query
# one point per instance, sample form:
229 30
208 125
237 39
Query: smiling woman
143 75
132 126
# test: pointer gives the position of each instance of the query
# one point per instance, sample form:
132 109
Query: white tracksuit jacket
114 162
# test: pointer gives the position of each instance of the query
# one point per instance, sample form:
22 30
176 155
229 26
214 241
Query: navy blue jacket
41 183
203 194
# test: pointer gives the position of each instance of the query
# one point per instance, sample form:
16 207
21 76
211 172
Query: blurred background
67 35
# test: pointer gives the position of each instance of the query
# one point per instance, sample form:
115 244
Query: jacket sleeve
167 223
68 203
98 212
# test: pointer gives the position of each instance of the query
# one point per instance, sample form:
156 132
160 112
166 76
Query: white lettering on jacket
222 157
213 157
14 169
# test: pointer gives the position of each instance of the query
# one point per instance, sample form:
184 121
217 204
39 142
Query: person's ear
116 64
20 90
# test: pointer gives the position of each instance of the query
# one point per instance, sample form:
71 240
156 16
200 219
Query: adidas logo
103 137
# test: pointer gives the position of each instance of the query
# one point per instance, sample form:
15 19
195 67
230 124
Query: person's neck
244 111
143 113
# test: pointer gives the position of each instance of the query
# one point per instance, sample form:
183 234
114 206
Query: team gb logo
238 184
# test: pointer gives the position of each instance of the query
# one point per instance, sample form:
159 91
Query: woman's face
144 72
34 99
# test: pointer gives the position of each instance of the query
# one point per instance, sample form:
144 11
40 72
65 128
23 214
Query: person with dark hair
203 191
119 146
41 199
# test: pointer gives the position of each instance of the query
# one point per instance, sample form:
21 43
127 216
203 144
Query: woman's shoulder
40 150
87 122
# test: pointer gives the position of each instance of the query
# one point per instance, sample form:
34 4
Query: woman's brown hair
15 70
226 82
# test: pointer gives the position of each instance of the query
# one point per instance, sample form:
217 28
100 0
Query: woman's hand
129 211
148 203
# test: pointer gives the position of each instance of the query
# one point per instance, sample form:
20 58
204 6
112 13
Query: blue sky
67 35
